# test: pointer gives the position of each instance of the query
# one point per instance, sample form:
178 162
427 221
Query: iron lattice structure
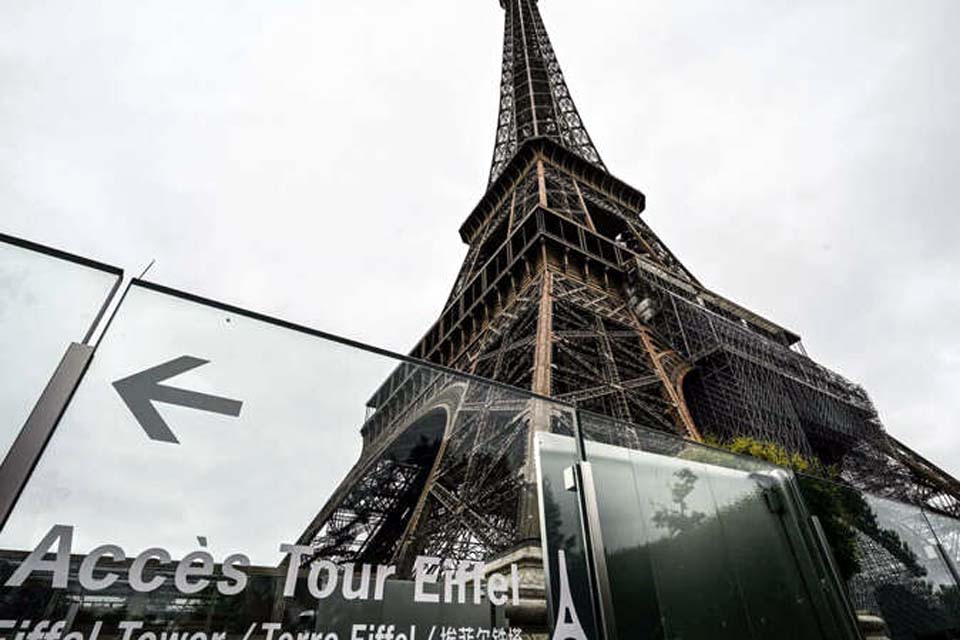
567 292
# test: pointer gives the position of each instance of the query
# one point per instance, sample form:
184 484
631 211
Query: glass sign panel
46 302
225 473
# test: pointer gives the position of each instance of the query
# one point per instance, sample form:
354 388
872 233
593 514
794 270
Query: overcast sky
314 160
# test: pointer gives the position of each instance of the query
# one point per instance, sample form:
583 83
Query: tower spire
534 99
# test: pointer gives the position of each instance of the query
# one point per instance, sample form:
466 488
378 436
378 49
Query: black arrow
141 390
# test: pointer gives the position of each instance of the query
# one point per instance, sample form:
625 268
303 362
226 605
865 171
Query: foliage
841 511
829 503
773 453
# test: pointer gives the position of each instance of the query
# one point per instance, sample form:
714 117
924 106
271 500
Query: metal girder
566 291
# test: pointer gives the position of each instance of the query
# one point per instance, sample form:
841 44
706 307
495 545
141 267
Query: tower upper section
534 99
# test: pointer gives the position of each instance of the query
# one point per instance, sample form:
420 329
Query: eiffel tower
568 293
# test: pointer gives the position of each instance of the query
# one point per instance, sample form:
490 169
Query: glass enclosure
890 556
699 543
566 559
224 470
48 299
215 473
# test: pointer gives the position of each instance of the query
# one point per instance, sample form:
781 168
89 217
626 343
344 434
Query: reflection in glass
699 550
890 558
947 530
679 518
45 304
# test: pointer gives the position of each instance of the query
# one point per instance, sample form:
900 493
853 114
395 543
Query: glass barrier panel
570 601
947 530
698 550
888 555
606 430
636 601
218 472
46 302
700 543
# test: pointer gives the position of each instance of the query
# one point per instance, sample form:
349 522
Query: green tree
842 511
